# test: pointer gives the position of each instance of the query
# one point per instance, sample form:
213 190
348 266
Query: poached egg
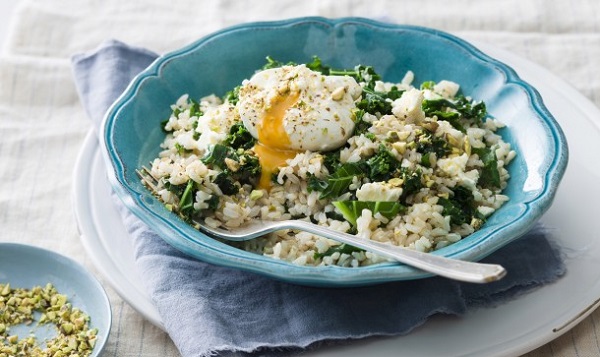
293 109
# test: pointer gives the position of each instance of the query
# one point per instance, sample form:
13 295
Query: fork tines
148 179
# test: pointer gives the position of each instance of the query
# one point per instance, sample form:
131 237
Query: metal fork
446 267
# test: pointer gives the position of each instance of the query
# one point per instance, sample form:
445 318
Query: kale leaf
272 63
427 144
249 170
248 165
412 182
338 182
217 154
352 210
382 165
374 102
240 137
313 183
233 96
427 85
360 73
177 190
489 176
186 201
460 206
226 183
342 249
317 65
461 108
469 109
360 125
195 110
331 160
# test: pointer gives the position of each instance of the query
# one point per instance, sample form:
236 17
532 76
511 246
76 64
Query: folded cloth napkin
212 310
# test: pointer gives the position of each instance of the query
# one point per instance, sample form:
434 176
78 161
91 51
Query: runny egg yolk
273 146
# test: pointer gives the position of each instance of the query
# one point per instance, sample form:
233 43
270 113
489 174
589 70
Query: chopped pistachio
256 194
467 146
74 336
67 328
431 126
400 147
396 182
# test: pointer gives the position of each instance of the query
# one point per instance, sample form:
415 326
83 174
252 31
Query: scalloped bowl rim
192 242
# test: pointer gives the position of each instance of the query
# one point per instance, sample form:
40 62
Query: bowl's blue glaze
218 62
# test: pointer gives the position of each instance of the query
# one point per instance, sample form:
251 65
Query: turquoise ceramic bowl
216 63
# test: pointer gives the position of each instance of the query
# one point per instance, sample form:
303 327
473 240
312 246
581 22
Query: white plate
511 329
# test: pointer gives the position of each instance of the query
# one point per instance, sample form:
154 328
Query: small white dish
26 266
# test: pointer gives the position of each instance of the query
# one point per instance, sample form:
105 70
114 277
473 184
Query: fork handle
450 268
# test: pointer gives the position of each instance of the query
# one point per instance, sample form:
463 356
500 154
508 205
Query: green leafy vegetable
186 201
360 73
342 249
470 110
180 149
374 102
249 170
226 183
427 144
317 66
213 202
216 156
186 194
195 110
177 190
313 183
351 210
453 111
248 166
233 96
360 125
338 183
461 206
163 125
489 176
240 137
272 63
382 165
427 85
412 182
394 93
331 160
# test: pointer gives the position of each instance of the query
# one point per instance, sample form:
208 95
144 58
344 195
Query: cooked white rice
423 226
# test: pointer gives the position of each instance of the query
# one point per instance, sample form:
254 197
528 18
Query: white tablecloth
42 123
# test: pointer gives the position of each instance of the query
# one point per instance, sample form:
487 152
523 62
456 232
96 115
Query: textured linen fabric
208 309
42 121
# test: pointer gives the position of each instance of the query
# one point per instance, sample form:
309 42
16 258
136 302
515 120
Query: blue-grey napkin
210 310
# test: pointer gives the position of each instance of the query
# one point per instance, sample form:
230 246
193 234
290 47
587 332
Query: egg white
320 119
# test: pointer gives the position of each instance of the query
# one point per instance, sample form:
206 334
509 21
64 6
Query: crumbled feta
378 191
446 89
408 106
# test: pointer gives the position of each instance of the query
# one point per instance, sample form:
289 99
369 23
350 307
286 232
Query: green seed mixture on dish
414 166
74 337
